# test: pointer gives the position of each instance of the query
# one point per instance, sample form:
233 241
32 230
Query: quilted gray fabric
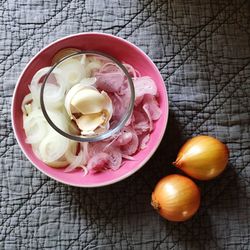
202 49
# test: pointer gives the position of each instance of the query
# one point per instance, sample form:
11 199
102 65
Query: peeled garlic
90 122
72 92
89 108
88 101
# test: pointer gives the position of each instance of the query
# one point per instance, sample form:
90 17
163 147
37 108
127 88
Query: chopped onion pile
91 72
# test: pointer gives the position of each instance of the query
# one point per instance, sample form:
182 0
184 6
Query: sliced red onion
115 158
146 109
98 163
132 146
152 106
144 85
124 138
144 141
128 157
109 82
110 67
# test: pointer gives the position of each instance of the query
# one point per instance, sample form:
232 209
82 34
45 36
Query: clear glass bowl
51 92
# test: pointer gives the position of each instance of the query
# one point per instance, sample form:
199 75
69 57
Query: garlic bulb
89 108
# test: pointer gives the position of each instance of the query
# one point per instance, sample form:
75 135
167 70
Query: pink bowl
121 50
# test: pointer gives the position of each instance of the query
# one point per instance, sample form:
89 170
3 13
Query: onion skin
176 198
202 157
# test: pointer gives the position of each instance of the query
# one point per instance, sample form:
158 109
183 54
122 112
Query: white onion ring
71 71
53 98
53 147
60 163
71 152
27 99
85 149
58 119
35 87
53 95
91 67
35 127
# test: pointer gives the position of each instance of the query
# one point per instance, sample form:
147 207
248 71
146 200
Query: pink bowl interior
121 50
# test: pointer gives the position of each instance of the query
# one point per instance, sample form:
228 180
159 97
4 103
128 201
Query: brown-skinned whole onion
202 157
176 198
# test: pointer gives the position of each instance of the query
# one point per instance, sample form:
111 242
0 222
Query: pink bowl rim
141 164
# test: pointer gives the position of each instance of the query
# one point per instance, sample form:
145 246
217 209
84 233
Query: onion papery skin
176 198
203 157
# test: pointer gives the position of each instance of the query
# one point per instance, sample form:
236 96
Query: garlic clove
90 109
89 123
101 129
88 101
71 93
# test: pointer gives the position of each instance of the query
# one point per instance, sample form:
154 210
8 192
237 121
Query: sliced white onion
53 147
36 133
88 81
35 87
72 71
32 118
92 66
53 95
60 163
35 127
35 92
58 119
71 152
85 149
83 60
39 74
27 99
